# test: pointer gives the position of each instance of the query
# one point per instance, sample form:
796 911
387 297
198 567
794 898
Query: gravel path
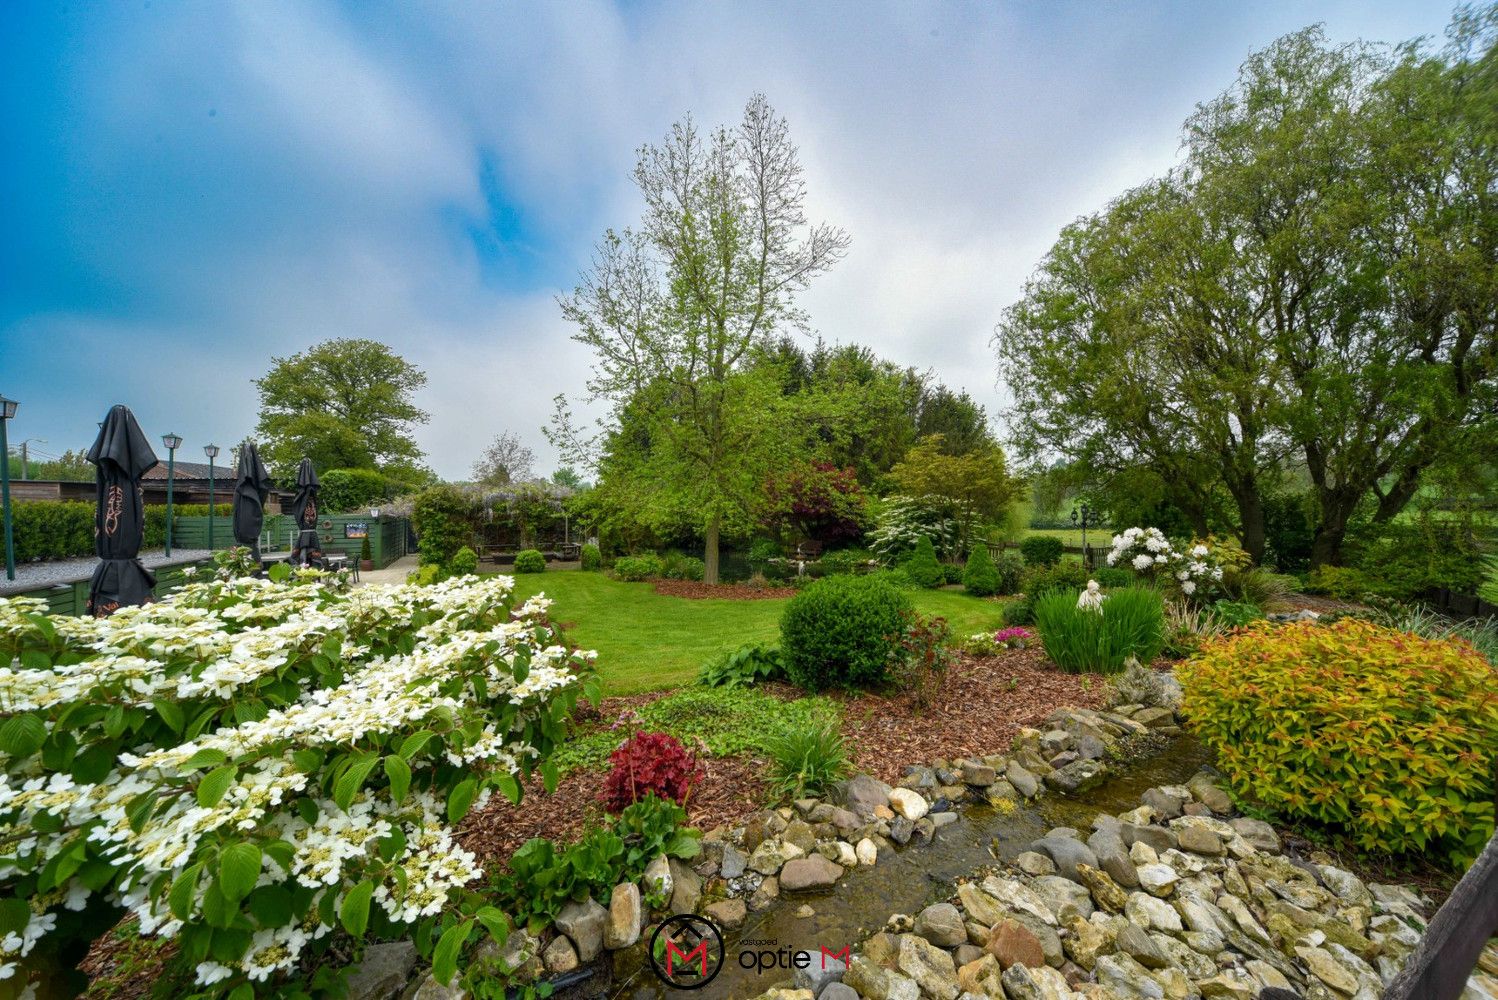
35 576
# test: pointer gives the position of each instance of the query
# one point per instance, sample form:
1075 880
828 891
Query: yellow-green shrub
1386 734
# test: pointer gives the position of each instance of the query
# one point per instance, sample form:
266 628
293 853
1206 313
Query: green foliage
591 559
807 761
1131 624
1010 567
1342 582
842 631
745 666
1067 576
1481 633
465 562
345 403
366 552
970 488
920 664
355 490
951 573
636 568
1257 586
1354 725
921 566
443 519
677 566
980 578
530 561
1235 614
1041 550
1109 577
51 529
543 879
903 521
427 574
1020 611
1409 560
843 561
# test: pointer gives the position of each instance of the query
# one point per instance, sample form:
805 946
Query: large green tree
678 311
1314 286
345 403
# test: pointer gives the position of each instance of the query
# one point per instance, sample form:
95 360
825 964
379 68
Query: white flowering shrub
903 521
1195 573
248 767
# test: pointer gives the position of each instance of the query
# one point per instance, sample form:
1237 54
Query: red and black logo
686 951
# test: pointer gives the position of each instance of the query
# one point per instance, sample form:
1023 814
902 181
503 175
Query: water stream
908 880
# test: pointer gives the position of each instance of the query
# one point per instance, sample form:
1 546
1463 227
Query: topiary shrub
951 573
636 568
1041 550
465 562
842 631
1010 567
922 567
980 578
591 558
1130 625
1383 733
530 561
649 763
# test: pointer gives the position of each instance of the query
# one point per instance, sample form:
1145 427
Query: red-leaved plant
649 762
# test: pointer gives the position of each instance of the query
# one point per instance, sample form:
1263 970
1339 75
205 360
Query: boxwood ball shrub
1080 640
636 568
529 561
465 561
921 566
591 558
980 578
1041 550
1388 735
842 631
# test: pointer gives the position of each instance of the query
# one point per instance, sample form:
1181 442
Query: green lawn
647 642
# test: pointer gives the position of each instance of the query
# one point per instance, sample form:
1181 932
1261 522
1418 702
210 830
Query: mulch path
1315 602
692 590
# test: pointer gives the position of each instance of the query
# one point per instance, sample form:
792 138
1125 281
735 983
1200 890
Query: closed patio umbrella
308 547
251 487
121 455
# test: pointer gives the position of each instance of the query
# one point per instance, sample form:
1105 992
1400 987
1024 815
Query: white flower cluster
1149 552
472 664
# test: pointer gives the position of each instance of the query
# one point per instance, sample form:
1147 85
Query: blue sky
192 188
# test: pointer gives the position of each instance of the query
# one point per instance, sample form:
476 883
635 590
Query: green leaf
307 760
215 784
348 785
206 757
509 788
171 713
15 914
22 735
238 870
279 573
445 955
244 991
354 913
399 773
413 743
179 899
549 776
460 798
495 922
270 905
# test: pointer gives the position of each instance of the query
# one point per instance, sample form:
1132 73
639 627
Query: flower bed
249 767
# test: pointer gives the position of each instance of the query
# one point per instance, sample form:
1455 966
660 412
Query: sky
188 190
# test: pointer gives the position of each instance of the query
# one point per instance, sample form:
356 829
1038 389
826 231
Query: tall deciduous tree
972 488
677 310
345 404
507 459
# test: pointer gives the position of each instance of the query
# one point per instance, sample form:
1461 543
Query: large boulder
626 917
863 794
383 971
930 967
584 923
941 924
1078 776
809 874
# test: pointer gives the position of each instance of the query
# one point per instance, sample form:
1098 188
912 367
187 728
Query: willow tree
677 309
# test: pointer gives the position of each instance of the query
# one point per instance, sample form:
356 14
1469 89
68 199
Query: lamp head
7 408
211 450
171 441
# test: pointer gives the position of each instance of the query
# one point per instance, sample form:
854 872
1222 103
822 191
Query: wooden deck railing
1439 967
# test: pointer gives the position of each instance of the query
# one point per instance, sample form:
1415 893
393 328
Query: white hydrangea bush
249 767
902 523
1195 573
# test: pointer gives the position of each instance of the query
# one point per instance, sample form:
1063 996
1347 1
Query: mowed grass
648 642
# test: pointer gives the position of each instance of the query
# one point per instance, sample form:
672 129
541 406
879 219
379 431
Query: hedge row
49 529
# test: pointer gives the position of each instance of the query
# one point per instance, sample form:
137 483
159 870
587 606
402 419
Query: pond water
905 881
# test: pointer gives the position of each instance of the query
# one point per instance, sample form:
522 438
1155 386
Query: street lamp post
1087 517
26 455
172 442
211 450
7 411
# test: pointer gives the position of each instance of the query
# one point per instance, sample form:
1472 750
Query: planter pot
365 565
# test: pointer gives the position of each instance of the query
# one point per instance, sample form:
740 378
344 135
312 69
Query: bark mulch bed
693 590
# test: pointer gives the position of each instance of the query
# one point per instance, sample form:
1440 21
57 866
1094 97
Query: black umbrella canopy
251 486
308 547
121 455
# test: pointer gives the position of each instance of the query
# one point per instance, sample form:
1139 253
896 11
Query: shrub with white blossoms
1195 572
248 767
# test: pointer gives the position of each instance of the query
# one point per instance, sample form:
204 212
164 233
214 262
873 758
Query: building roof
191 470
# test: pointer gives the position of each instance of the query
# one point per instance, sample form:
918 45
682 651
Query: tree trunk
1251 516
1326 544
710 551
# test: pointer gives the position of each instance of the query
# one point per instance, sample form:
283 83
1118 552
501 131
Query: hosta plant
1385 734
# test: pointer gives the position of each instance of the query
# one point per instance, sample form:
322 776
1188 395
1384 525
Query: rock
930 967
771 855
584 923
807 874
1062 759
978 775
1017 897
846 855
1011 943
1230 984
908 803
1024 983
864 793
1087 940
1266 975
981 976
560 956
1113 857
867 852
1157 879
1154 718
1023 781
1198 840
941 924
1089 747
845 821
944 818
1050 941
766 894
626 917
1257 832
1167 800
1137 944
1149 913
727 913
1066 853
1348 887
734 862
1326 968
1209 794
980 906
1035 863
519 957
1157 838
1108 893
1126 977
657 879
429 989
1078 776
901 830
820 970
874 983
838 991
686 892
1055 742
799 832
383 971
1063 897
1142 854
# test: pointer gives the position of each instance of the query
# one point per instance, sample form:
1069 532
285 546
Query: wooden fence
1439 967
1093 556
